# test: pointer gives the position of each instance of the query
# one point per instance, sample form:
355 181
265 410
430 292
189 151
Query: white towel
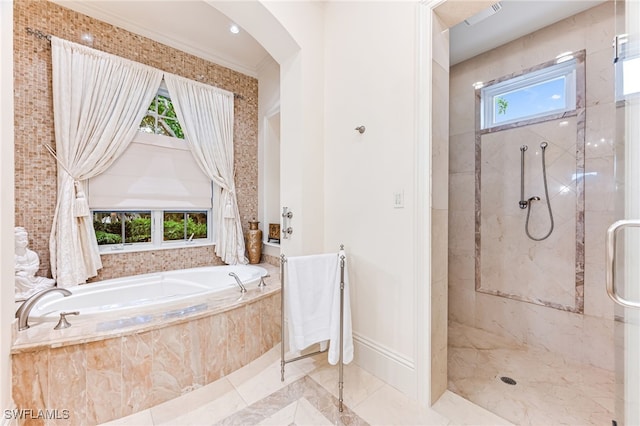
312 296
347 337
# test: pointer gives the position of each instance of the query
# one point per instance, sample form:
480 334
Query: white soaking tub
130 296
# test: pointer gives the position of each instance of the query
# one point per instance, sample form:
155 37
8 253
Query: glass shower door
623 237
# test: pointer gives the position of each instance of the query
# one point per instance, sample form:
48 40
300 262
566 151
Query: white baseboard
389 366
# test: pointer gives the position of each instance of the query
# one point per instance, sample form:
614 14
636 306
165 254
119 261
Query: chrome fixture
262 283
522 203
23 311
63 323
543 146
610 262
286 217
242 287
361 129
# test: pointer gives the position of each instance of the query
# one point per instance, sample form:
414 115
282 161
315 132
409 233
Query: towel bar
283 361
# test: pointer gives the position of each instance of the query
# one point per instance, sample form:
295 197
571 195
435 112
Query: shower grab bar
610 263
522 203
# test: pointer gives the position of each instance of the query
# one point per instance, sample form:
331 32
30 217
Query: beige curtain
206 115
98 102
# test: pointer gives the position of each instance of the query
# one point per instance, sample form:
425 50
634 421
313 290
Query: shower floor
549 390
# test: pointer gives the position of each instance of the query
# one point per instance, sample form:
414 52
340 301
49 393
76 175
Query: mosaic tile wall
35 169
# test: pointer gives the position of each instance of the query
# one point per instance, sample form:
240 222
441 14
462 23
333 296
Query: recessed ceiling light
234 29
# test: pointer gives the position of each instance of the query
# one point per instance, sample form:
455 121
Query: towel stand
284 361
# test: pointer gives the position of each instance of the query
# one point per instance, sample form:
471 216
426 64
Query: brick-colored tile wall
35 169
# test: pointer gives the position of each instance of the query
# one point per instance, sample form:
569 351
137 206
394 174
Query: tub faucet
242 288
23 311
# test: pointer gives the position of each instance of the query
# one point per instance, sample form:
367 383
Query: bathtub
132 296
146 339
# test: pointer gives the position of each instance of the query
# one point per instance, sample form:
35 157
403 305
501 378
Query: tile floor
549 389
255 395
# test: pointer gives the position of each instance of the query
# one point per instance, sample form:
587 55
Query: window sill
135 249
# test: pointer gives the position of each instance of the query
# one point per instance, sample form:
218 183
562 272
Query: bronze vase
254 242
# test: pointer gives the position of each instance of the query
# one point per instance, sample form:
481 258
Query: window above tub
138 230
154 195
548 91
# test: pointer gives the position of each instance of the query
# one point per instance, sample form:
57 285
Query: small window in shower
536 94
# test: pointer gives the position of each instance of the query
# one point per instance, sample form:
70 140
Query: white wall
6 195
370 80
269 148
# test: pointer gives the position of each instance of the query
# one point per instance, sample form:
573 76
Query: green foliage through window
135 227
161 119
184 225
502 105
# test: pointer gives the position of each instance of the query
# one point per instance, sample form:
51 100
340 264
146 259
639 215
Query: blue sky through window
533 100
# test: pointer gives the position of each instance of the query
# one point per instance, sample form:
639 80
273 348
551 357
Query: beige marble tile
358 383
104 380
286 416
462 302
600 79
253 337
463 412
256 382
236 337
141 418
173 371
388 406
270 314
307 414
461 154
550 389
214 333
31 372
68 383
137 351
218 399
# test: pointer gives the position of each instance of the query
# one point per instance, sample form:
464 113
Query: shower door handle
610 256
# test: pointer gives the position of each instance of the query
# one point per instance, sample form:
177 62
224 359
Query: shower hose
543 145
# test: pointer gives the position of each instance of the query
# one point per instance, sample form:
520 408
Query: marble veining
505 258
549 389
100 376
305 388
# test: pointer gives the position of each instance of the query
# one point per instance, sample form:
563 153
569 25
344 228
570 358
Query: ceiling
203 31
192 26
516 19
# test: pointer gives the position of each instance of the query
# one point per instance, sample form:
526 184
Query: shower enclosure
527 257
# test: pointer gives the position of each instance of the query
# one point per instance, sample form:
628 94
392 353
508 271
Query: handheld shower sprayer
527 204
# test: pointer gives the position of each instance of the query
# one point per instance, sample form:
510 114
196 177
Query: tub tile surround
99 376
35 169
574 335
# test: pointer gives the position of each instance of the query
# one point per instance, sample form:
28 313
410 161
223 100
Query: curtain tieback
80 204
228 206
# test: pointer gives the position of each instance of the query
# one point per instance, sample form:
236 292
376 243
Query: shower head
544 145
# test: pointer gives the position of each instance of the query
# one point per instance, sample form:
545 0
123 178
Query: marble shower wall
584 337
508 262
35 169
